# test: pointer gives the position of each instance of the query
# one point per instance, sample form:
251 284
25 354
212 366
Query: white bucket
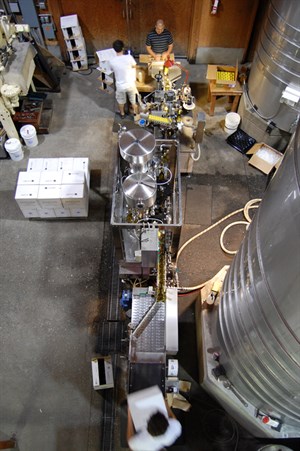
14 148
28 133
232 121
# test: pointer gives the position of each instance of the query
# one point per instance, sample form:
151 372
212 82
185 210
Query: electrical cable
245 210
199 154
220 428
227 251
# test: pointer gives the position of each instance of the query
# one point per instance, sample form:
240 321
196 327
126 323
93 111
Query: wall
223 37
206 38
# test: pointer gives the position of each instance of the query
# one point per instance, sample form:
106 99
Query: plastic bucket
14 148
28 133
232 121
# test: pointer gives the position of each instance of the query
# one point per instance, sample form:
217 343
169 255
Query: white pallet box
76 43
62 212
29 178
30 212
35 164
51 178
72 33
27 196
78 55
69 21
71 177
102 372
46 213
79 212
106 81
65 163
74 196
49 196
82 164
50 164
79 65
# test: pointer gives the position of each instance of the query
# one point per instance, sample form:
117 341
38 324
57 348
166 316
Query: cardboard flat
146 58
264 157
143 403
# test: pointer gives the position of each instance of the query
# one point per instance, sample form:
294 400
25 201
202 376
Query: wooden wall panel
231 27
177 17
190 22
103 22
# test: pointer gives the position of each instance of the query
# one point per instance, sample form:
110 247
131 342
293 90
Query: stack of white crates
74 41
54 188
106 74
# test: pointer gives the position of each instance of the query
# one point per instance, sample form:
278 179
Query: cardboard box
62 212
74 196
102 372
49 196
144 403
71 177
35 164
264 157
46 213
82 164
27 196
79 212
50 164
69 21
65 164
29 212
29 178
223 75
50 178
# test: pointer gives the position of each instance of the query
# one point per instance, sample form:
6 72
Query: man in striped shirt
159 42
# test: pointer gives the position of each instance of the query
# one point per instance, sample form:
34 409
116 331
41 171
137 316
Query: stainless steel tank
139 190
276 66
258 325
137 148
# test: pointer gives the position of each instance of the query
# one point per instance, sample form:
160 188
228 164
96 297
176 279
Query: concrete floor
55 274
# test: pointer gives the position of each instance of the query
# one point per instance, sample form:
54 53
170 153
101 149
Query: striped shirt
159 42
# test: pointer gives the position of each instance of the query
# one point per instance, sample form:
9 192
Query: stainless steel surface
139 190
152 338
127 219
276 64
258 325
137 147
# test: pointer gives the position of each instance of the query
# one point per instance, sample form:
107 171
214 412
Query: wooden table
215 91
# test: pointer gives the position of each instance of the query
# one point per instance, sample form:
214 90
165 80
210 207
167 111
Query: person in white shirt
161 431
124 68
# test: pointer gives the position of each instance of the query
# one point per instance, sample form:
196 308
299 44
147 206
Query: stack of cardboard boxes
54 188
75 42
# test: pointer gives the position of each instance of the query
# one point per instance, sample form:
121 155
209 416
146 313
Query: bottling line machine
147 218
248 341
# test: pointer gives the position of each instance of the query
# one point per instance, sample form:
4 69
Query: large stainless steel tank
258 325
276 66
